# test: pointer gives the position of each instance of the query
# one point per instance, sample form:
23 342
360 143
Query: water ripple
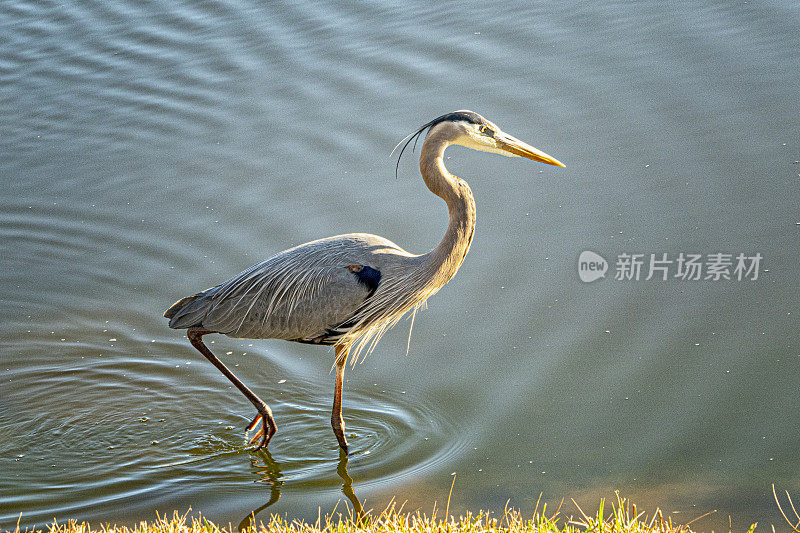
118 419
150 149
383 430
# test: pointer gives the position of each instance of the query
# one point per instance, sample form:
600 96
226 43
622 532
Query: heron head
467 128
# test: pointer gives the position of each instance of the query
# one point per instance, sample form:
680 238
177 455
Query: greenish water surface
149 150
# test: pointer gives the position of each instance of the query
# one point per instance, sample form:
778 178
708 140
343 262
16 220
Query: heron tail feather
188 311
180 304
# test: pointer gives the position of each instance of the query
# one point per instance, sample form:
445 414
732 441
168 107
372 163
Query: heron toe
264 433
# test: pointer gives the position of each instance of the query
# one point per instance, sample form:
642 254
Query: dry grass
623 517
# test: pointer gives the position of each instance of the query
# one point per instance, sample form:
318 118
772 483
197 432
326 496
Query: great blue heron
347 290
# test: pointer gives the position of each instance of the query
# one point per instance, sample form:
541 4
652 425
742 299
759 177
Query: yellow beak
515 146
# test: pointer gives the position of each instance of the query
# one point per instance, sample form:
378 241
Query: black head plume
456 116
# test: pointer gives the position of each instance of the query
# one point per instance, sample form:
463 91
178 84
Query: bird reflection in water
270 471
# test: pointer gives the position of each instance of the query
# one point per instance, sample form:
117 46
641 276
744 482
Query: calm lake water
149 150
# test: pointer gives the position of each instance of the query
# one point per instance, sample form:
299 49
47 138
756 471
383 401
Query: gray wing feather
298 294
303 306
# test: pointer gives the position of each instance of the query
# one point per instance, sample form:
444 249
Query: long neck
443 261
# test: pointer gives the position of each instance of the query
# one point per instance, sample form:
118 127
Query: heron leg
336 415
269 428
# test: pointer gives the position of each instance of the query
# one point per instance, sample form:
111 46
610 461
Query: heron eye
486 130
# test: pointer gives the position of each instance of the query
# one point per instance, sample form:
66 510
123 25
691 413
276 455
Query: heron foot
338 429
269 427
344 447
260 440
